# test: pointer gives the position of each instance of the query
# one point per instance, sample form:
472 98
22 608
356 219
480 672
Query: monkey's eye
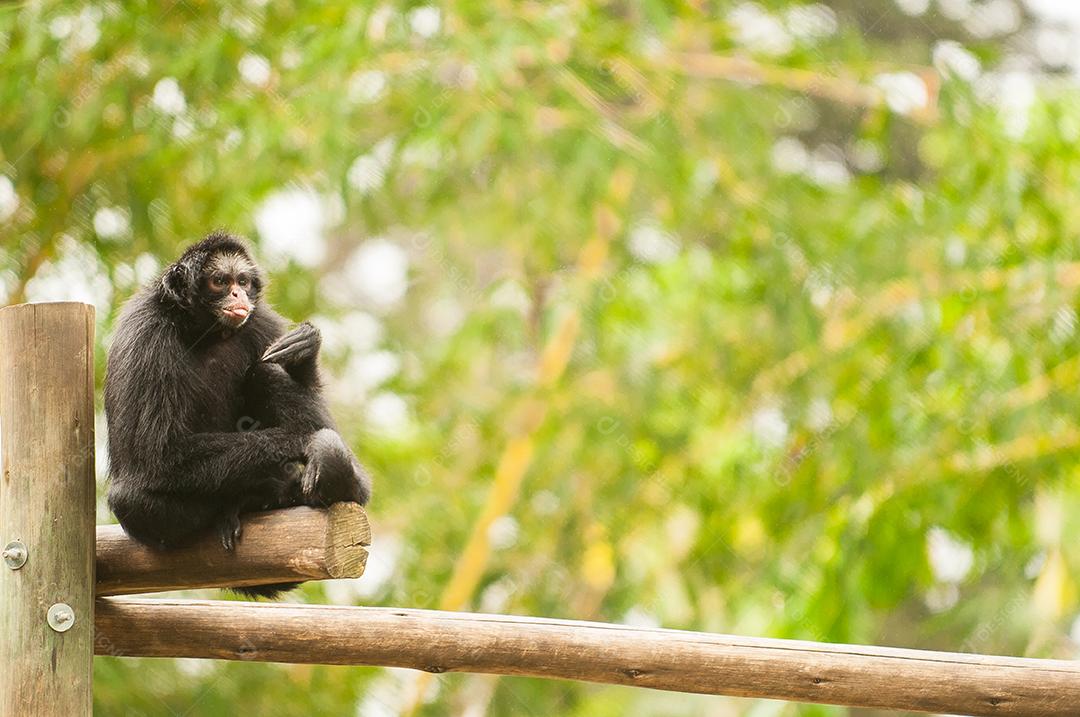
217 282
243 281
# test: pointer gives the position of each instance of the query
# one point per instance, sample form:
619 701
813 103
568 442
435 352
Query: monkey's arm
246 463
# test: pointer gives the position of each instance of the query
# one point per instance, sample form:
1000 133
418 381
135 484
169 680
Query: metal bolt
61 617
15 555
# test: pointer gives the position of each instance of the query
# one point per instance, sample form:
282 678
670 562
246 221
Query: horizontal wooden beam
881 677
277 546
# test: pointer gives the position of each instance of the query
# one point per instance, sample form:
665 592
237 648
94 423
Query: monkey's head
215 282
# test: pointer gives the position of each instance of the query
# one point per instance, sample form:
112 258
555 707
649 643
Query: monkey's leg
273 397
332 472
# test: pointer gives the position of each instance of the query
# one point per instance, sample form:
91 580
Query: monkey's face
230 285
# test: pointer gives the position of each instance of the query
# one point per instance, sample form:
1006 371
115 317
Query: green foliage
794 381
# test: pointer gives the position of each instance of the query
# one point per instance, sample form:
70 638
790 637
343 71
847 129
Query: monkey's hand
299 346
333 474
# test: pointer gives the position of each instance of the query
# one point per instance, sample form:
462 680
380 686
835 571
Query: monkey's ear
178 285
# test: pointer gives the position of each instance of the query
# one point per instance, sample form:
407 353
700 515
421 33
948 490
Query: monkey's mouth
236 314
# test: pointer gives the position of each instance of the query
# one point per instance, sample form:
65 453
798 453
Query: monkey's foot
229 529
299 345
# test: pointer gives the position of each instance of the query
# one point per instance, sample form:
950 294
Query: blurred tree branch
518 453
808 82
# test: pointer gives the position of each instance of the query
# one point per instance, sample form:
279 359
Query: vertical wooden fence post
46 509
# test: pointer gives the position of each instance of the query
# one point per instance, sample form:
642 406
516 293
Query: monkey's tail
270 592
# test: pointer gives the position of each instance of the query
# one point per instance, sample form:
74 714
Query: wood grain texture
434 641
275 546
47 502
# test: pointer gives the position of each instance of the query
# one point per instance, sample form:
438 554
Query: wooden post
854 675
46 509
278 546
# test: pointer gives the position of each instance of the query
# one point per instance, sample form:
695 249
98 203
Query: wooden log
46 509
880 677
277 546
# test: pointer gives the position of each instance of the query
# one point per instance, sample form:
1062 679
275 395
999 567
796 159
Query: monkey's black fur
207 417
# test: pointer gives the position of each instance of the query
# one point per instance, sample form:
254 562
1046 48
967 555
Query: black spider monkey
214 410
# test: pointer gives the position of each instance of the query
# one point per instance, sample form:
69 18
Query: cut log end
348 537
